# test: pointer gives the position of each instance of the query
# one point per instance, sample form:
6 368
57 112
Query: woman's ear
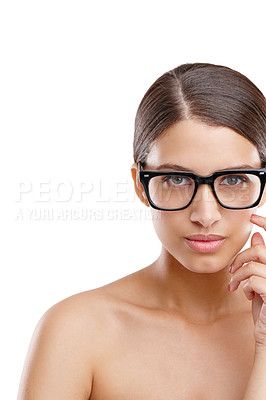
138 185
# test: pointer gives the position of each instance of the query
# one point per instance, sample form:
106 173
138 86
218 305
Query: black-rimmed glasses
173 190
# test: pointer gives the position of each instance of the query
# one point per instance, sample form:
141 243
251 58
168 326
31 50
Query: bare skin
172 330
124 341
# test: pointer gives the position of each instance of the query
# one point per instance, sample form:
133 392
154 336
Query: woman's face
203 150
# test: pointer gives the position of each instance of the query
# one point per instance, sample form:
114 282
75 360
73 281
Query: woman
192 325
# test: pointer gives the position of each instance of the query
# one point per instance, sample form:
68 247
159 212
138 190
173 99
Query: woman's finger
257 239
254 253
248 270
255 284
258 220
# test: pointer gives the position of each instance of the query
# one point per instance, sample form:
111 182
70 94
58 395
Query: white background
72 76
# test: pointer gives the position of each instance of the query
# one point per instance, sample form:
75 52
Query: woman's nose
204 207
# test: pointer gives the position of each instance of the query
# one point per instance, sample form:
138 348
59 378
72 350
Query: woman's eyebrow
176 167
242 166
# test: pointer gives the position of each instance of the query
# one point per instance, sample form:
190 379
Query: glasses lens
237 190
171 191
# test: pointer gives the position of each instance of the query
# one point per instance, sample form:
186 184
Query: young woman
192 325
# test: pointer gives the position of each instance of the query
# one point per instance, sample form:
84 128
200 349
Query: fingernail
254 215
231 268
229 285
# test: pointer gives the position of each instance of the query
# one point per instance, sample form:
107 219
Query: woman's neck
198 296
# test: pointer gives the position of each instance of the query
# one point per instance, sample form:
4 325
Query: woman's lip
205 246
206 238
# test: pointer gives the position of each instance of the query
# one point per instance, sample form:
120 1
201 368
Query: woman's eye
177 180
233 180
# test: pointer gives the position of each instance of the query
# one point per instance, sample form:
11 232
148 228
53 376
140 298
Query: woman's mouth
204 243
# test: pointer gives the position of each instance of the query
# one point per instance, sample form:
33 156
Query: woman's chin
205 264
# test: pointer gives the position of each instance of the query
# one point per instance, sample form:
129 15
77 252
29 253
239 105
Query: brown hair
207 93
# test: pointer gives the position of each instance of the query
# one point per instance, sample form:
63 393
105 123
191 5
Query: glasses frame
145 176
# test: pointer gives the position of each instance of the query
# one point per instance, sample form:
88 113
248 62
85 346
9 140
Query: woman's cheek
241 228
169 226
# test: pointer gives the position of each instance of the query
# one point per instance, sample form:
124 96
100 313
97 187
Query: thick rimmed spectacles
235 189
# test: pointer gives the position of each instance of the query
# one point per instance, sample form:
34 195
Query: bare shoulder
70 338
59 362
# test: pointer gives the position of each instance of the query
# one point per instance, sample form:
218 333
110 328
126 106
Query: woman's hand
254 272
